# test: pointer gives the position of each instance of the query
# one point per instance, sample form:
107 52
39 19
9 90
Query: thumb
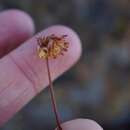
81 124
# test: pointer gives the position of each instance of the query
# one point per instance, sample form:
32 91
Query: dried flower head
52 46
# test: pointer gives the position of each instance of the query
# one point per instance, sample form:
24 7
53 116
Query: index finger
23 74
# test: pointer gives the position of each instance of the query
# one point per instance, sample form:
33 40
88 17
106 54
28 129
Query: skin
23 75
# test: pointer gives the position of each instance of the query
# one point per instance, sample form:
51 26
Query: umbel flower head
52 46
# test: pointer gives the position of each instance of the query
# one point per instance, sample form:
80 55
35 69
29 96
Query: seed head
52 46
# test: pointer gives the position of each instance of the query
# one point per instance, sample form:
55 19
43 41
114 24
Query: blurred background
98 86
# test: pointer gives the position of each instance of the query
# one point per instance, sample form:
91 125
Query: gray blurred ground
98 86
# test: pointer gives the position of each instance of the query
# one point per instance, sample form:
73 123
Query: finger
15 27
23 74
81 124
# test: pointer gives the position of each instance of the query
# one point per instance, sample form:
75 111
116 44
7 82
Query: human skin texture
22 74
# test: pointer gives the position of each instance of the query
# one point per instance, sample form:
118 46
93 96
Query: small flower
52 46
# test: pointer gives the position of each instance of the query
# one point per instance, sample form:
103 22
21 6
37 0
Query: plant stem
52 96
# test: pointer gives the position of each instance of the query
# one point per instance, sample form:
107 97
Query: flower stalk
52 47
52 96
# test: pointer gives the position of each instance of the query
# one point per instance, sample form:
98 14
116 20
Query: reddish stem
52 96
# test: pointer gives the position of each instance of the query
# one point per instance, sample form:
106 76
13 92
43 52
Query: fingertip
75 48
81 124
15 27
21 21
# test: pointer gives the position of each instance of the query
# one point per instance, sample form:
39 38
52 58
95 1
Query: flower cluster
52 46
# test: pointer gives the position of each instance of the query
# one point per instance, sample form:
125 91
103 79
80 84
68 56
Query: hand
22 74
